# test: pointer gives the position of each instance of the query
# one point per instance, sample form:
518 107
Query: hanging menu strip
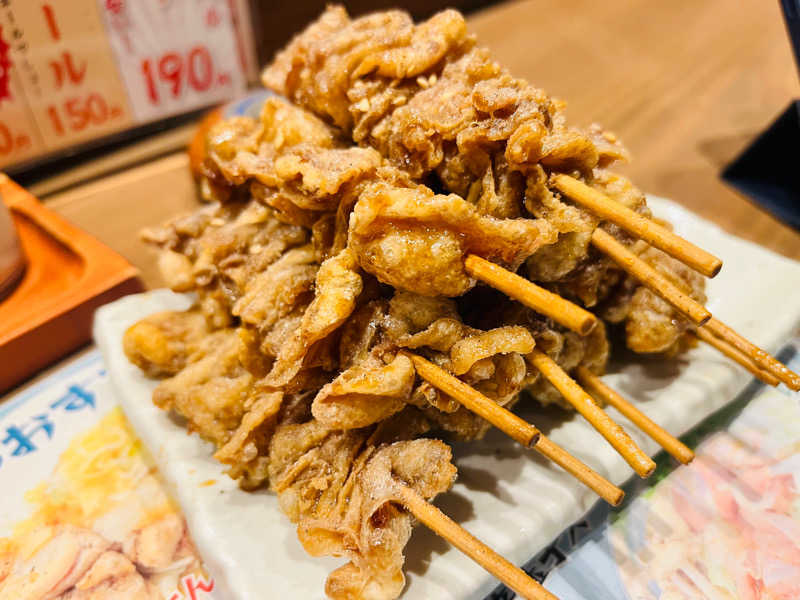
76 70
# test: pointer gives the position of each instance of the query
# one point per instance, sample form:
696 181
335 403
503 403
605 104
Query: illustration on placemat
102 526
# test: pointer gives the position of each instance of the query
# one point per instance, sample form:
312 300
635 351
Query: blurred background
99 99
295 15
91 87
135 67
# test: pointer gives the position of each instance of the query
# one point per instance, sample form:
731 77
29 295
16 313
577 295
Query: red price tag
12 142
172 72
79 112
175 56
77 70
64 65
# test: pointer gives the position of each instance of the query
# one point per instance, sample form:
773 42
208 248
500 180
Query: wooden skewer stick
444 526
579 470
736 355
758 356
694 311
506 421
595 386
531 295
637 225
597 417
514 427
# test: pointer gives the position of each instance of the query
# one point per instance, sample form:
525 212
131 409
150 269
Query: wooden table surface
685 84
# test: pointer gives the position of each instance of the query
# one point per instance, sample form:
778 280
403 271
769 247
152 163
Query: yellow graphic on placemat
102 527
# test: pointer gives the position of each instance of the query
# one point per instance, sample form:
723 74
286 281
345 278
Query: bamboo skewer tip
595 385
573 393
543 301
433 518
715 270
736 355
513 426
590 478
761 358
654 234
648 276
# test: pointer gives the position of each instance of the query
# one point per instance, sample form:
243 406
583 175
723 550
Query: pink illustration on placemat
728 525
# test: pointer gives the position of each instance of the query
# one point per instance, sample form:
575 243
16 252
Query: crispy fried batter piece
340 487
211 391
431 103
245 452
316 69
163 343
382 382
416 240
272 294
219 250
366 393
288 159
338 284
226 404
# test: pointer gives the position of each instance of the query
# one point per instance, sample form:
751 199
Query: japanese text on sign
75 70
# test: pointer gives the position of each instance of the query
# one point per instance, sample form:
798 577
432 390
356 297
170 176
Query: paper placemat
83 507
725 526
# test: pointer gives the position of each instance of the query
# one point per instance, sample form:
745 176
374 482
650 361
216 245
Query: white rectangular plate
505 495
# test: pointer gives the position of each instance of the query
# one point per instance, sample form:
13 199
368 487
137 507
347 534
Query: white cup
12 260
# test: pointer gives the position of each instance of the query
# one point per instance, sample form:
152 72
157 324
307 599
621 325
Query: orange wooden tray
69 274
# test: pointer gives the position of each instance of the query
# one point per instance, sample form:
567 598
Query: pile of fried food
405 240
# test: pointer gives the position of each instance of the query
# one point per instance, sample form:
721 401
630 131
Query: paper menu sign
67 73
174 56
19 135
76 70
83 509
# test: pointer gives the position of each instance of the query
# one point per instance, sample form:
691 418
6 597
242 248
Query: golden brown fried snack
292 363
163 343
401 232
337 286
428 100
416 240
225 403
220 250
366 393
212 391
431 103
340 487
